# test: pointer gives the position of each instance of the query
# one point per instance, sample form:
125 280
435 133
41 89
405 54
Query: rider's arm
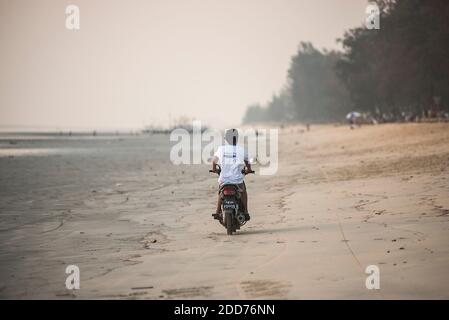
248 166
214 163
216 159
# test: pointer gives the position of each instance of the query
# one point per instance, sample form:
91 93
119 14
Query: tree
317 92
402 66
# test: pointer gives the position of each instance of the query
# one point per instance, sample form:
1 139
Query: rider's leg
219 204
244 195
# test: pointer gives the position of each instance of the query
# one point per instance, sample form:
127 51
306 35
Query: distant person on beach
353 119
232 159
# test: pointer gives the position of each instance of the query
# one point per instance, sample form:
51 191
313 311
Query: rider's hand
248 171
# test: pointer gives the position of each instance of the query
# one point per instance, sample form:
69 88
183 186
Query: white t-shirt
232 161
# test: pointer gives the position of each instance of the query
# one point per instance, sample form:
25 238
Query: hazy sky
135 63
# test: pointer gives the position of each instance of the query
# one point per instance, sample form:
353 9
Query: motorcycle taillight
229 191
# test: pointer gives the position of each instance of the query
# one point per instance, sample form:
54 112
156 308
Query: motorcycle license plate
228 205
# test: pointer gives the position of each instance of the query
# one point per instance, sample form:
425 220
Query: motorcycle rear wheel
228 221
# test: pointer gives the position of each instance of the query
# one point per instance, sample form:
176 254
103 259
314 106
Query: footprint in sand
180 293
265 288
153 238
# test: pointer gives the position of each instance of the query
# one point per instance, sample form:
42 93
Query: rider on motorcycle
233 160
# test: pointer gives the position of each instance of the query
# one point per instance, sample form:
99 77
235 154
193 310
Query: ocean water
65 199
41 174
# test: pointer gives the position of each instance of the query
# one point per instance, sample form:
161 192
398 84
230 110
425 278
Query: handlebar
243 171
218 170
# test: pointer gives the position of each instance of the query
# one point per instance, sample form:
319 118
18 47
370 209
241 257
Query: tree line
399 70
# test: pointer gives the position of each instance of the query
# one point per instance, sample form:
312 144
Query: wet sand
139 227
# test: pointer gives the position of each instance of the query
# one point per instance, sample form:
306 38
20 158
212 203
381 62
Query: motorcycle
233 214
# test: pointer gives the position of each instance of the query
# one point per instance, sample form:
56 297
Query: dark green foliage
400 68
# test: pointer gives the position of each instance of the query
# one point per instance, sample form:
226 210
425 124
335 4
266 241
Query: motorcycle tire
228 221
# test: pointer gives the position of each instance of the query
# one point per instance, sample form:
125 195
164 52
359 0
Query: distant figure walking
352 119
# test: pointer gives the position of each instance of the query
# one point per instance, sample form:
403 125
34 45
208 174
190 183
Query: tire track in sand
344 239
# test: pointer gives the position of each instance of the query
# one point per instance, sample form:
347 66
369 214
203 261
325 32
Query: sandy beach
139 227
